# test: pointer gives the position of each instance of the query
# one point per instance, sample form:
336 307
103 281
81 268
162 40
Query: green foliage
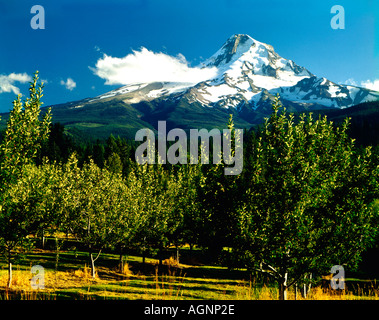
59 145
22 185
24 133
156 190
26 205
94 203
187 211
304 202
98 207
23 138
114 163
307 204
219 197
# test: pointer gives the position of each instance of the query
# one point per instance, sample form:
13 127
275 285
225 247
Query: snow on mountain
242 55
145 91
250 73
248 67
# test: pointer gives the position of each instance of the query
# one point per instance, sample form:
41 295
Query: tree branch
97 255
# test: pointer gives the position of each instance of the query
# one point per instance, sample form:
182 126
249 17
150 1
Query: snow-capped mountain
249 74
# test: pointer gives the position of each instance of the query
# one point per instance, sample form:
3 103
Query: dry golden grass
112 283
84 273
21 279
172 262
159 287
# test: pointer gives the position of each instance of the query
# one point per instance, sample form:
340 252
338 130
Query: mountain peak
243 57
237 44
247 76
236 39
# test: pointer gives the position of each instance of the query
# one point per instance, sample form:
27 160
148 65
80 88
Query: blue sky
78 33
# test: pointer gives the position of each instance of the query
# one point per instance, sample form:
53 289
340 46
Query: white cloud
145 66
7 82
69 84
373 85
368 84
351 82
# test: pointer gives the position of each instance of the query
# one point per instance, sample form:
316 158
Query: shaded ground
71 280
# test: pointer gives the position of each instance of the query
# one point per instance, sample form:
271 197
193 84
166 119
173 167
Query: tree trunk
160 255
306 288
121 263
283 287
43 239
9 268
92 261
93 270
144 251
304 291
57 248
122 259
9 275
177 255
310 283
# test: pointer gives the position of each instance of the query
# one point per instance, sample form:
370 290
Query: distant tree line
306 199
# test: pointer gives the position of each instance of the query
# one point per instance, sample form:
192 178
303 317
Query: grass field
72 280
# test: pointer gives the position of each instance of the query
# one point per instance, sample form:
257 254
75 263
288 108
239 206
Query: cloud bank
7 82
145 66
373 85
69 84
368 84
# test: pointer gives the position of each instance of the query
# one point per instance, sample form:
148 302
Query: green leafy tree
96 206
98 154
112 146
24 134
157 197
126 153
219 195
132 216
59 146
186 211
308 204
154 203
114 163
27 207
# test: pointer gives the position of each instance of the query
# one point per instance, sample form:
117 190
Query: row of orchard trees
99 207
304 202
